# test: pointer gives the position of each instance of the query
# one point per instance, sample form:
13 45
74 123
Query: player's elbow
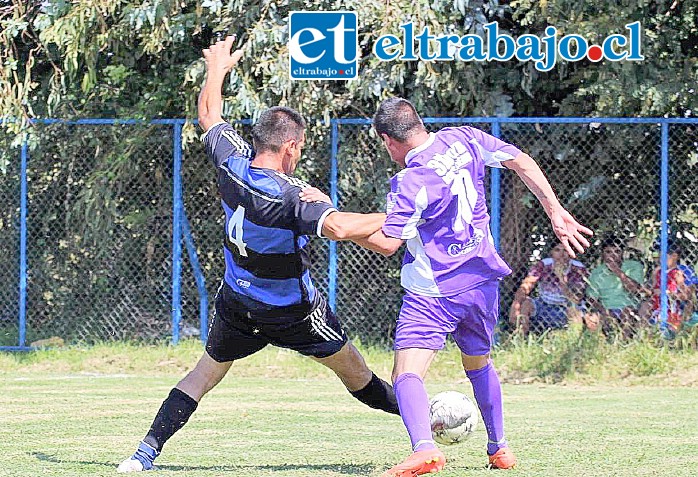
334 228
390 250
389 246
340 233
520 163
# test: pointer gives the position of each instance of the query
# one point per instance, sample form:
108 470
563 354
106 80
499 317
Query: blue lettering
565 47
473 48
408 42
550 56
382 44
528 48
423 39
444 41
635 42
493 39
609 50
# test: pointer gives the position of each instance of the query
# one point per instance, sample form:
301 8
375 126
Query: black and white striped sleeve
221 142
308 217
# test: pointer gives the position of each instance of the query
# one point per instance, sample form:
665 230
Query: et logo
323 45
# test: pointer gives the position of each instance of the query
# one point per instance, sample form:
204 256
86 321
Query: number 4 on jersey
235 230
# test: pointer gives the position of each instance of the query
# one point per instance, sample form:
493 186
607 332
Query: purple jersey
437 204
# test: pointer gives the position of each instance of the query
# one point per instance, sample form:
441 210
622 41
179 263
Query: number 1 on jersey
235 230
466 194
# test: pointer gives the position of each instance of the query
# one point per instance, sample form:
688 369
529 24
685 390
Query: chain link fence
683 184
9 250
683 202
606 174
98 232
100 219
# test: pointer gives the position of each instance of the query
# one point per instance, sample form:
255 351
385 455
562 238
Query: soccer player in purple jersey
451 270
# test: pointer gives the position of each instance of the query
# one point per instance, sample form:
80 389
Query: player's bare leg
411 365
488 394
350 367
175 411
205 376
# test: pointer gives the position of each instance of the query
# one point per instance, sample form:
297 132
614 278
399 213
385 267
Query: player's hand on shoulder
570 232
220 57
312 194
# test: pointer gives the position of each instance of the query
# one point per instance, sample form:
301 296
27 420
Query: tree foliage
129 58
142 59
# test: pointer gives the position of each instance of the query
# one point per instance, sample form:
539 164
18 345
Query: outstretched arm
348 226
351 226
219 61
380 243
566 228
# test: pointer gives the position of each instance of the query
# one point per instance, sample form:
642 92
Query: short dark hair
674 247
275 126
397 118
611 241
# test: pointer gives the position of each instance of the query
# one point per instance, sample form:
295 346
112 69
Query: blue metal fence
181 230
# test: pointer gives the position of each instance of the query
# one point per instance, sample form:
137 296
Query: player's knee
394 376
472 363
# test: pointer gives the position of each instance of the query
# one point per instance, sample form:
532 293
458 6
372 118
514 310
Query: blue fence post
332 272
198 276
177 233
495 199
23 245
664 221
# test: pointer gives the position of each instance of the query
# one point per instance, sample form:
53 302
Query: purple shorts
471 316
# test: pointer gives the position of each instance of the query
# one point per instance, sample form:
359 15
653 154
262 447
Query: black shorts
236 331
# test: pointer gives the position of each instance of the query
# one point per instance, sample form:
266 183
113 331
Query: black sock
379 395
173 414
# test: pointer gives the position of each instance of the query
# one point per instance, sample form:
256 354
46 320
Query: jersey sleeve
416 195
492 150
308 217
221 142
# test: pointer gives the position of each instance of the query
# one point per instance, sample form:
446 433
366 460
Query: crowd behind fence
97 245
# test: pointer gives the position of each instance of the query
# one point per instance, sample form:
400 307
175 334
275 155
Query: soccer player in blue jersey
267 295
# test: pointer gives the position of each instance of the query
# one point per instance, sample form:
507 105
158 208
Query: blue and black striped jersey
266 225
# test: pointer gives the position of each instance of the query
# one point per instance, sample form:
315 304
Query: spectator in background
614 290
681 281
692 283
561 282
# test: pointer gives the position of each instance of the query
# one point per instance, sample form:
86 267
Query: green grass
79 412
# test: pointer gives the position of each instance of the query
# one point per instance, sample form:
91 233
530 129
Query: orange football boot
504 458
419 463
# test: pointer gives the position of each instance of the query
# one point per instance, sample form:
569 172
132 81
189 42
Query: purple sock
413 402
488 394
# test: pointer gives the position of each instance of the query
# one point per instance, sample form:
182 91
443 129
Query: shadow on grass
346 469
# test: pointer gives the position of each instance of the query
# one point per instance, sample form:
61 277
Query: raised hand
570 232
220 58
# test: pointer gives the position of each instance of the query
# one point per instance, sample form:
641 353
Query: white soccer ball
454 417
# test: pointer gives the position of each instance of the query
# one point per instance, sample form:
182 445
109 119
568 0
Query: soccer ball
453 417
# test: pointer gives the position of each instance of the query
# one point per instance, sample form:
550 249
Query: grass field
79 413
